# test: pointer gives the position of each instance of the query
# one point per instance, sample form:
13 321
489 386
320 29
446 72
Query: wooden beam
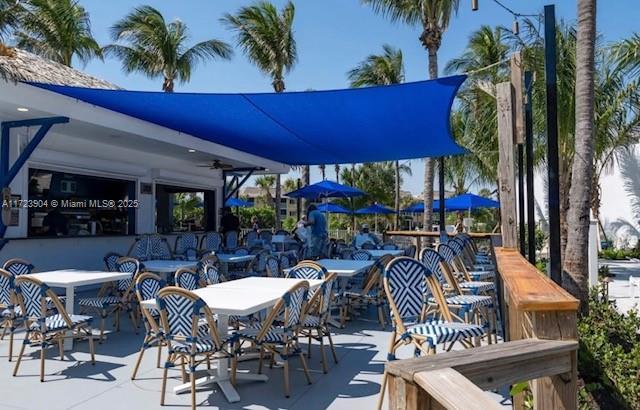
506 165
518 102
454 391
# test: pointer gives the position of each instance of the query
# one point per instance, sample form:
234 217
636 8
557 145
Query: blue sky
332 36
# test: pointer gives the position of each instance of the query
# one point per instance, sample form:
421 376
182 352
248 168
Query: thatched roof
20 65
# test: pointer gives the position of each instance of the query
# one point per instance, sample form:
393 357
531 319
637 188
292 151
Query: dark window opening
180 209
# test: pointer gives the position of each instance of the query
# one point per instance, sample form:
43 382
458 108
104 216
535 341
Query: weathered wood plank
528 288
506 165
518 103
454 391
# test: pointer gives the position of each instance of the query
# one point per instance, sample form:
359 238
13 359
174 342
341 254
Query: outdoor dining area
217 318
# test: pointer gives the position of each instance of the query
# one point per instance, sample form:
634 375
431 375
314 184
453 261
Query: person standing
318 237
229 222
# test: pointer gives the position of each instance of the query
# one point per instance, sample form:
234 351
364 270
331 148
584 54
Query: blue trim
238 185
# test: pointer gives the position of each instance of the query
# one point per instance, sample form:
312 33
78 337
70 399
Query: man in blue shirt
318 237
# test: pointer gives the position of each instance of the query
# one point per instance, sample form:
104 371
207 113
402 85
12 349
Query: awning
393 122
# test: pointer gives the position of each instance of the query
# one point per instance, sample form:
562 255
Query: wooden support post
506 165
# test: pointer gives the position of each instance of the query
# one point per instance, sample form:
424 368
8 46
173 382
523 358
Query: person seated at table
318 236
363 236
301 232
229 222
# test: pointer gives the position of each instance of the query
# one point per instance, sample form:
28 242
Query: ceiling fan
215 164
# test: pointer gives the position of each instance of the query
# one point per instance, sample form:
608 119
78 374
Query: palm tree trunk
305 182
576 262
429 163
167 85
397 196
277 201
323 171
337 168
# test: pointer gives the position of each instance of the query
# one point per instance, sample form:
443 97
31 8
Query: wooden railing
540 321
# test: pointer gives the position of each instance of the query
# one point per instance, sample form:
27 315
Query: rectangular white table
378 253
345 268
72 278
236 298
227 258
168 266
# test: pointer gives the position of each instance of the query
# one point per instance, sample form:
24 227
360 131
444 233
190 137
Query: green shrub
609 356
615 254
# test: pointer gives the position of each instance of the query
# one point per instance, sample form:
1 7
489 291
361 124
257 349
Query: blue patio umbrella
375 209
467 202
238 202
333 208
326 189
419 207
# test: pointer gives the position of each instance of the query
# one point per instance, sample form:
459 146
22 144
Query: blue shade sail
383 123
326 189
466 202
332 208
418 208
238 202
375 209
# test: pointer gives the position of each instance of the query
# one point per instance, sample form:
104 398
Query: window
65 204
180 209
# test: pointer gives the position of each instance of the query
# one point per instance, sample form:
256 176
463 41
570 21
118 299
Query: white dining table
345 268
227 258
168 265
70 279
378 253
236 298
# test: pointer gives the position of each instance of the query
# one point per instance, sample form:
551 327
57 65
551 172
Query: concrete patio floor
353 383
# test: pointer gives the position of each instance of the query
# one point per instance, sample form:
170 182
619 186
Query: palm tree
576 261
58 30
266 38
148 44
337 168
265 183
627 53
433 16
384 69
10 14
323 171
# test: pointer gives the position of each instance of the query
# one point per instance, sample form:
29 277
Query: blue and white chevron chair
316 319
189 279
361 255
209 270
410 251
188 342
45 329
251 239
273 267
476 260
110 261
280 337
407 283
186 246
122 301
17 267
159 248
307 270
10 314
466 264
466 307
140 248
465 282
266 236
211 242
231 240
148 285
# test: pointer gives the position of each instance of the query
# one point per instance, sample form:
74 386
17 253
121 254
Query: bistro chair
389 246
251 238
407 282
465 282
181 313
110 261
45 329
410 251
208 268
369 291
258 266
466 306
17 267
266 235
159 248
368 246
273 267
316 318
121 301
280 337
285 261
361 255
231 240
186 246
148 286
140 248
346 253
283 232
10 314
307 270
466 262
188 279
211 242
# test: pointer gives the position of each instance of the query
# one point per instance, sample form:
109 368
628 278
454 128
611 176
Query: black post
555 262
528 119
298 202
443 228
521 222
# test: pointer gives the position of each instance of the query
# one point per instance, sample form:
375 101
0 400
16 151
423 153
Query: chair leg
286 372
140 354
309 346
92 347
383 388
42 361
164 382
159 354
4 329
305 367
260 360
192 377
183 369
234 368
10 342
323 357
24 344
61 348
102 320
333 348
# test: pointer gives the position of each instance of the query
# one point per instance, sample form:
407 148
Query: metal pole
298 202
521 221
443 228
555 263
528 118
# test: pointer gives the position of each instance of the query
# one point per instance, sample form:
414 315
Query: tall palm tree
265 183
576 261
337 168
10 16
146 43
59 30
384 69
433 16
323 171
627 53
266 38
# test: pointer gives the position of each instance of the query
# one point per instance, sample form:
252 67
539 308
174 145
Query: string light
474 5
